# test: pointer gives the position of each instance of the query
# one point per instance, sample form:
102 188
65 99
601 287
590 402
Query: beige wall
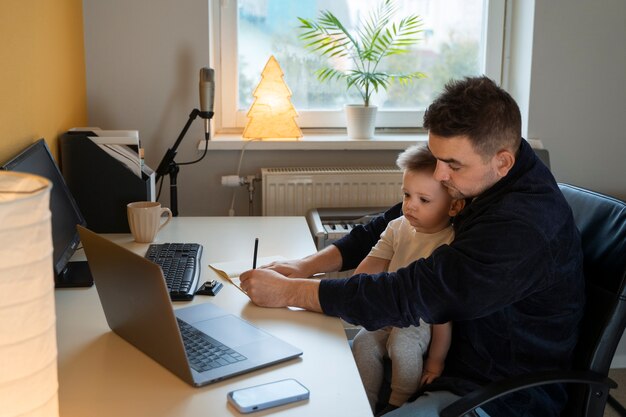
42 75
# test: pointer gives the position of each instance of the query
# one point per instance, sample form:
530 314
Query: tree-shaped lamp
272 116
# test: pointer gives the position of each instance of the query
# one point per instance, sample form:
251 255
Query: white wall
143 58
518 55
577 94
577 102
567 72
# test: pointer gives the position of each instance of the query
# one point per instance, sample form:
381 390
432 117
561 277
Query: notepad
230 271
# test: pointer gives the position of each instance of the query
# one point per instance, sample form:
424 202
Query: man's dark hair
477 108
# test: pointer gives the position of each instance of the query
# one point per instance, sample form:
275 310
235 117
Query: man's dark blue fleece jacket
511 282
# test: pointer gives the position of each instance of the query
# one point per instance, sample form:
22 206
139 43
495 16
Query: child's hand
428 377
432 369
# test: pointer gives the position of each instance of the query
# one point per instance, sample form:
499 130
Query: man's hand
291 268
267 288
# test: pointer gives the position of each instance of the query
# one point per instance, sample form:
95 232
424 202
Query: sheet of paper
123 148
230 271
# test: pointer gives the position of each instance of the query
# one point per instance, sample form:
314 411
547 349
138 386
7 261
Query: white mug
145 219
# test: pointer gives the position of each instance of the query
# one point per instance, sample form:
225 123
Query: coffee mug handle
169 216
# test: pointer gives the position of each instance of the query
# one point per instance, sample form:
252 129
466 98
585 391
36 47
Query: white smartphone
260 397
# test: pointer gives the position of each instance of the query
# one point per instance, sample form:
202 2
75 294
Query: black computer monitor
37 159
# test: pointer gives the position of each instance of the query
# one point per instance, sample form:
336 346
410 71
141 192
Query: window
459 38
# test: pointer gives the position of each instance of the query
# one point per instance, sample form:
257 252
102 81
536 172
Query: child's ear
456 206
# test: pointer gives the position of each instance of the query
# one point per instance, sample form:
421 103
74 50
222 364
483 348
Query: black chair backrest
601 221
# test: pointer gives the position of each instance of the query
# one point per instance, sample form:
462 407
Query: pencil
256 250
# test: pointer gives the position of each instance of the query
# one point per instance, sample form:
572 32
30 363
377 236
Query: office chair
601 221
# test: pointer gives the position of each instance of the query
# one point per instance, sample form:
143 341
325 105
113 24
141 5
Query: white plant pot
360 121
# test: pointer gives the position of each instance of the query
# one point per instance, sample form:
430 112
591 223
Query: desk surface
100 374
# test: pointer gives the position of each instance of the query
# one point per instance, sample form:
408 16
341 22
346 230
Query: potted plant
374 38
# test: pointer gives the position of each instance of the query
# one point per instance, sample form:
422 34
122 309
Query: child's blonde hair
417 158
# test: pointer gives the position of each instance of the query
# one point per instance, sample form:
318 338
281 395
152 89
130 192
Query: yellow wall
42 72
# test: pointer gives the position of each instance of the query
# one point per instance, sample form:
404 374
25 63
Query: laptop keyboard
203 351
180 263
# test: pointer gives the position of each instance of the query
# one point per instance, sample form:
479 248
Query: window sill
324 141
316 141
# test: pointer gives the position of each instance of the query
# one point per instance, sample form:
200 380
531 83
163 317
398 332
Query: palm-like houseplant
375 38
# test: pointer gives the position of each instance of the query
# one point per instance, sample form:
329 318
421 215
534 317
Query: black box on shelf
101 184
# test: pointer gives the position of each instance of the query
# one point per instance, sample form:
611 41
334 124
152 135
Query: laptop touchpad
230 330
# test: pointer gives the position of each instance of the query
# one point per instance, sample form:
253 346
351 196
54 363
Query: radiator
294 191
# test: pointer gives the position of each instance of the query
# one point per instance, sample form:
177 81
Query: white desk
100 374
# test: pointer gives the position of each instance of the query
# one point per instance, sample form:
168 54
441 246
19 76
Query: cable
160 187
207 136
231 210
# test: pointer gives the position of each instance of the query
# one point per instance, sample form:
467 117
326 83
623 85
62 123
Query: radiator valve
236 181
232 181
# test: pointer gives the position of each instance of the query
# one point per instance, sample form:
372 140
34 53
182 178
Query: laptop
137 307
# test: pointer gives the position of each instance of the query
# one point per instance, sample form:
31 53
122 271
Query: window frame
223 48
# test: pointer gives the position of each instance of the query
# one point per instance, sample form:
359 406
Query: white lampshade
28 350
271 115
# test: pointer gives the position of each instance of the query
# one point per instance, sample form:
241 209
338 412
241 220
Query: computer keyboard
203 351
180 263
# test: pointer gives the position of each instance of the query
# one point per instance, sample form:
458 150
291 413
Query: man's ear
456 206
504 161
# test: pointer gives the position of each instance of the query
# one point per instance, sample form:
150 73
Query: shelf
316 141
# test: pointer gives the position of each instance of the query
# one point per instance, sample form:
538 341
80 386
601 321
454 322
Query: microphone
207 96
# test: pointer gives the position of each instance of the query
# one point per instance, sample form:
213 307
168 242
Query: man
511 281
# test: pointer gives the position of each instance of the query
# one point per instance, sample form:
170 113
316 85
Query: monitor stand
75 274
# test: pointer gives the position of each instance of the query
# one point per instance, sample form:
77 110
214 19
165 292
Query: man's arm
355 246
372 265
326 260
270 287
346 253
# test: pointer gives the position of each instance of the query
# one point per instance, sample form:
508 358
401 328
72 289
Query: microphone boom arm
168 166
